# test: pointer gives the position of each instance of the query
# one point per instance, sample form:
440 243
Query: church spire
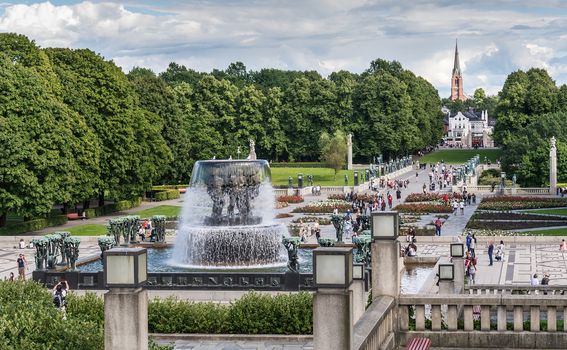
456 65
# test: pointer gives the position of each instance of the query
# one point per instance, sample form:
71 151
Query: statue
72 250
310 179
40 245
365 222
291 244
363 249
158 224
52 249
346 180
514 180
252 154
61 245
338 224
126 226
289 182
552 142
105 243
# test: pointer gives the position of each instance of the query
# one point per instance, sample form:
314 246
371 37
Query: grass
460 156
86 230
550 211
321 176
553 232
167 210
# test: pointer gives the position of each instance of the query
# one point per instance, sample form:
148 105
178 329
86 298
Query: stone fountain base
254 246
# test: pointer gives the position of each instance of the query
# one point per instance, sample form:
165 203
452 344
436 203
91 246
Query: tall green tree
334 150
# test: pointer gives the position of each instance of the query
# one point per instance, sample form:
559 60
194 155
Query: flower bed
280 205
423 208
511 216
320 220
493 233
516 202
324 207
430 197
290 199
357 196
283 216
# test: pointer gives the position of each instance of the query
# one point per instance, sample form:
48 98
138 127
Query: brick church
469 129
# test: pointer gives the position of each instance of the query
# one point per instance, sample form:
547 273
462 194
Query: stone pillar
446 287
553 167
126 319
385 269
459 274
332 319
358 299
349 156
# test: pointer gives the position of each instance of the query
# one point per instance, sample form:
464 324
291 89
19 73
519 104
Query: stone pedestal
349 156
446 287
459 282
553 167
358 299
333 319
126 319
385 269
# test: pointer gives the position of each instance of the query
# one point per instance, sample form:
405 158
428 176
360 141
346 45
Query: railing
508 190
376 327
269 281
484 289
488 317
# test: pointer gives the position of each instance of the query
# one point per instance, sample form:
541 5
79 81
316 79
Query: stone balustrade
376 328
507 190
484 289
487 321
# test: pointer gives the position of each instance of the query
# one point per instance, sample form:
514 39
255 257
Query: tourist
501 248
438 223
424 188
398 194
60 293
390 201
462 206
534 281
455 207
471 270
472 246
563 245
22 264
545 280
22 244
473 198
490 251
11 278
468 242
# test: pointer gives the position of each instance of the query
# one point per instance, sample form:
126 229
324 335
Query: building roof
456 64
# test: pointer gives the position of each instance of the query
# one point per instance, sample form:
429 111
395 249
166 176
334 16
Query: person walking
438 224
468 242
471 270
490 251
390 201
472 246
462 205
455 207
501 248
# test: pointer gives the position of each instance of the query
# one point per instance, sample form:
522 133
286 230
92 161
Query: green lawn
87 230
549 211
460 156
321 176
553 232
167 210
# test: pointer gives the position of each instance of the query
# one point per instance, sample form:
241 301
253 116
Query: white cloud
325 35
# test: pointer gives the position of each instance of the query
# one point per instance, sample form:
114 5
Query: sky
495 37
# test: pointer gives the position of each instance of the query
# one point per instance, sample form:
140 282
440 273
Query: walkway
241 345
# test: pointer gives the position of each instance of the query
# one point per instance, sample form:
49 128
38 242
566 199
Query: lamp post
457 253
385 254
126 302
333 302
358 291
446 275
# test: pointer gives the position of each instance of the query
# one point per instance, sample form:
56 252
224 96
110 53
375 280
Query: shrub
177 316
113 207
517 202
299 165
423 208
166 195
290 199
33 225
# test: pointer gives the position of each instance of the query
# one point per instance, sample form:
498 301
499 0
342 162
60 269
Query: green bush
168 187
128 204
175 316
28 320
166 195
33 225
113 207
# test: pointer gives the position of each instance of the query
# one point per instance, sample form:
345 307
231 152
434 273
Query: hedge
33 225
113 207
299 165
168 187
165 195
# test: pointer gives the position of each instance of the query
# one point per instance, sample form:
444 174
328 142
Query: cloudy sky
495 36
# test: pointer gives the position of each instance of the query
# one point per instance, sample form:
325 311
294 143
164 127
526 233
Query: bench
418 344
73 216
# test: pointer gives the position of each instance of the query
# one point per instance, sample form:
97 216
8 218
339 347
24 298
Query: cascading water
227 217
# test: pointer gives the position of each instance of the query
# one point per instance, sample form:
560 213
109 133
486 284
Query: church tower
457 92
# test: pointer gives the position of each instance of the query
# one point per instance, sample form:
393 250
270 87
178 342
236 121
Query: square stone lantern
333 267
125 267
358 271
385 225
457 250
446 272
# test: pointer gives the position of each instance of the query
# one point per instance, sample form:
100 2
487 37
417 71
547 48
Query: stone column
332 319
459 274
349 156
446 287
553 167
358 299
385 269
126 319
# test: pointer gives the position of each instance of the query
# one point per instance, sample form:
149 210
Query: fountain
227 217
